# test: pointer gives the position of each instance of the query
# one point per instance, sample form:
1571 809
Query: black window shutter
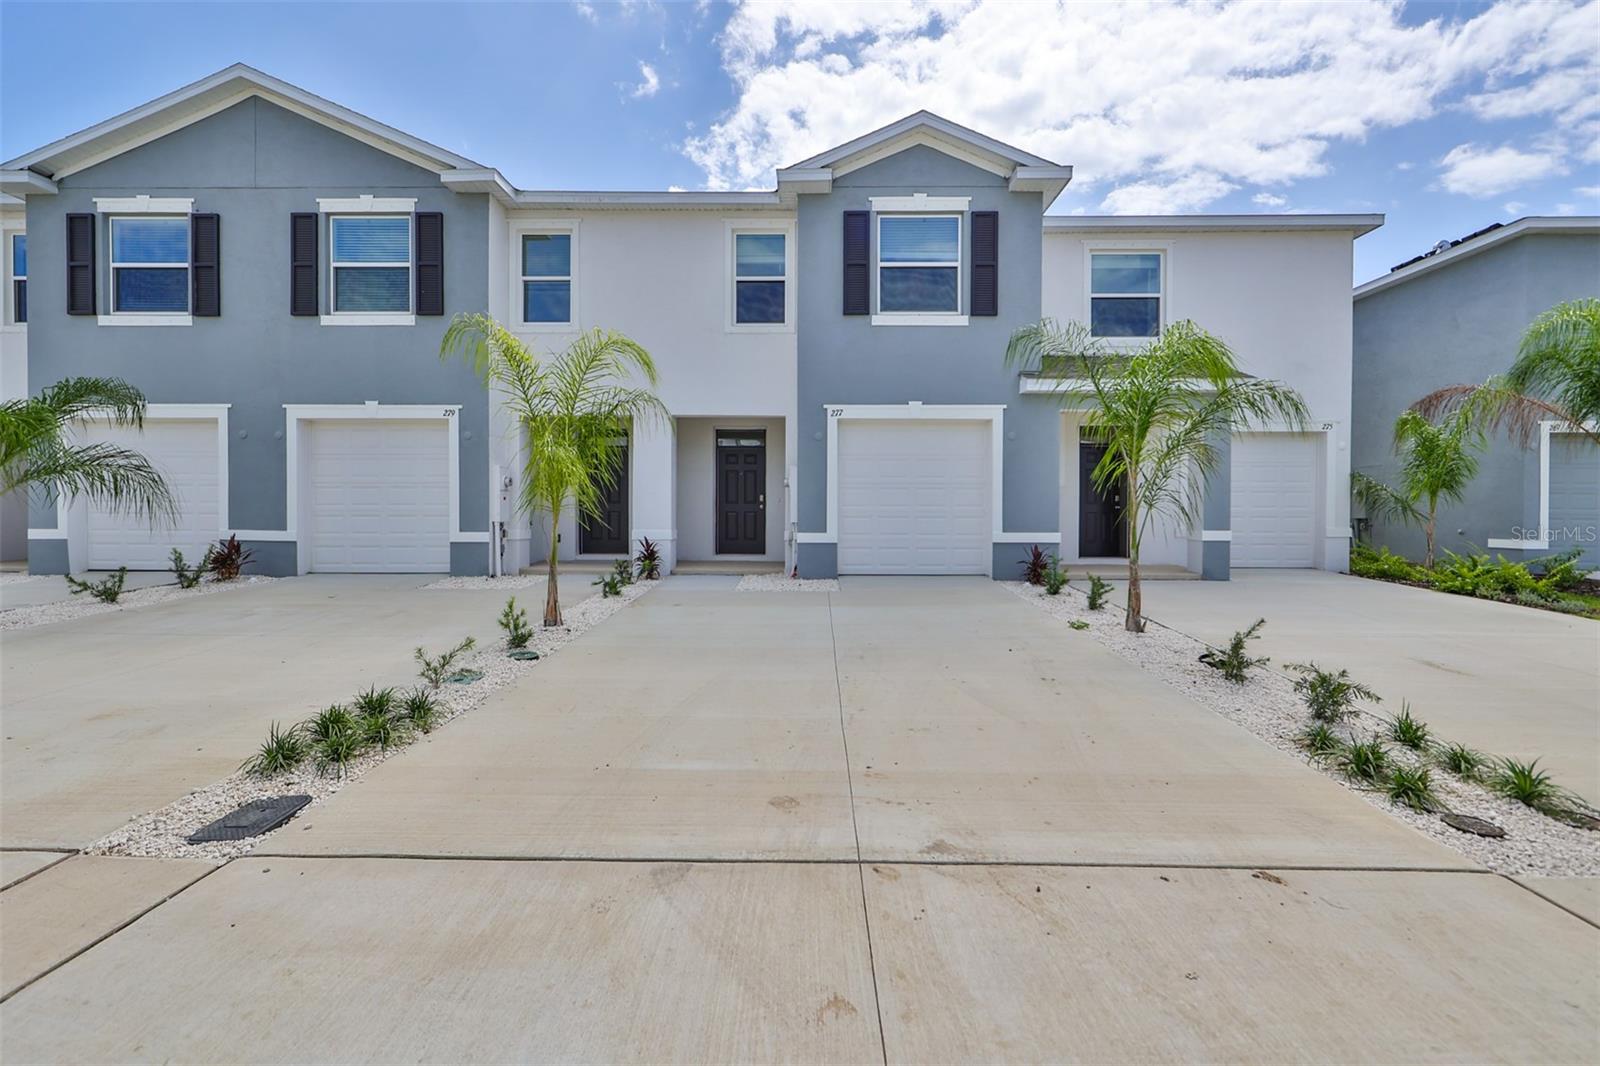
205 264
430 263
80 264
303 263
857 262
985 263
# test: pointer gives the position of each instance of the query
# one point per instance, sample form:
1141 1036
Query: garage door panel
379 496
1274 499
1575 495
185 453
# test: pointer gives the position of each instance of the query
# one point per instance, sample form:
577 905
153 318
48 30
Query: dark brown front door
1102 533
607 534
741 492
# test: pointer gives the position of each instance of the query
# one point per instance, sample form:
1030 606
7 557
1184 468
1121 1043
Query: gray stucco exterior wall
254 164
1460 323
848 360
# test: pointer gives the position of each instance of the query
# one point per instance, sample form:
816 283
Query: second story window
759 278
149 265
919 264
1125 291
19 278
370 256
547 278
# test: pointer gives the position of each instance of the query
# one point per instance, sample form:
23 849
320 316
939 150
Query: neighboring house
13 358
830 352
1456 315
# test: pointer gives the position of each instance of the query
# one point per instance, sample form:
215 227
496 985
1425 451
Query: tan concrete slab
179 694
697 723
407 960
49 918
1581 895
982 729
1509 680
1018 964
15 865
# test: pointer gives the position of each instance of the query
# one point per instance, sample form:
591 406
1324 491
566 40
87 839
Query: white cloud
1514 207
1474 171
1566 209
1267 199
1588 192
1163 107
1404 164
587 10
1188 193
649 82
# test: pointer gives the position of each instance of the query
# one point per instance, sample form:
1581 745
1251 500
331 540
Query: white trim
920 204
1215 535
1027 538
368 318
522 227
144 318
49 534
10 230
732 229
1357 224
1483 242
1519 545
144 205
366 204
919 318
924 124
1163 296
264 534
336 317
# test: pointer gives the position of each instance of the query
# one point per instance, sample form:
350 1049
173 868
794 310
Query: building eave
1356 225
1521 227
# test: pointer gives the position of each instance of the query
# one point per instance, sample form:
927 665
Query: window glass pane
915 239
758 301
547 301
546 255
758 255
150 240
160 289
1138 316
19 256
372 289
917 289
1139 272
372 240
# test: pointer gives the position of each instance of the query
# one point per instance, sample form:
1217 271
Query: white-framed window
919 264
547 277
149 264
369 259
19 278
1126 291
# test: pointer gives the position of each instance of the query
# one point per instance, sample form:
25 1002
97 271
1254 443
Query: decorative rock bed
83 605
510 582
785 583
1268 706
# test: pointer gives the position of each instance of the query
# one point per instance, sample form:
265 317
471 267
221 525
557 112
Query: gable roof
1476 242
1024 171
37 171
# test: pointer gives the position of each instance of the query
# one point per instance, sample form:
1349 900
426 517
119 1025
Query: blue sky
1444 116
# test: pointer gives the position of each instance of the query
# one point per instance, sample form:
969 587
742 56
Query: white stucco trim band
1542 543
367 204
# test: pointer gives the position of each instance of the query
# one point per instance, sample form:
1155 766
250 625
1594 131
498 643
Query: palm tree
38 448
1161 408
1556 377
1437 462
572 409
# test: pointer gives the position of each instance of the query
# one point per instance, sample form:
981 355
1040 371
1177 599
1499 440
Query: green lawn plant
1232 661
1099 589
1407 731
283 750
106 590
1055 578
374 701
1462 761
436 669
1329 696
1411 786
1532 787
1364 761
514 620
421 709
188 577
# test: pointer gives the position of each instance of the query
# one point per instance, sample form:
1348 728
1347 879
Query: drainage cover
253 819
464 677
1468 824
522 654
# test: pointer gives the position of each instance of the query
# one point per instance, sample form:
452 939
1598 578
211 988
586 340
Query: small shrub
227 558
374 701
1533 787
609 585
105 590
1364 760
1558 603
1099 588
282 751
1559 572
1407 731
648 560
1055 578
1321 742
1034 566
434 669
1463 761
1232 661
1385 565
515 622
1078 623
384 730
420 709
188 577
622 570
1412 786
1330 697
328 722
338 750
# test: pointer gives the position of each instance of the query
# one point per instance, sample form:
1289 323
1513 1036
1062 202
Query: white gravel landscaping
84 604
162 833
785 583
1267 706
510 581
10 578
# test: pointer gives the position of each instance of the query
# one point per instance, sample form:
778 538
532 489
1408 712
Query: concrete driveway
109 716
1504 679
909 821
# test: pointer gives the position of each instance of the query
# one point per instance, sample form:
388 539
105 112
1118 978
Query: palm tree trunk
1133 621
552 598
1427 532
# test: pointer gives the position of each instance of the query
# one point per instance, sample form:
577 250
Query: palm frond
1382 503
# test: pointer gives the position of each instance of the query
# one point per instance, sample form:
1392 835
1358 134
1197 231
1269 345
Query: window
149 265
371 260
1125 294
547 277
19 278
919 264
760 265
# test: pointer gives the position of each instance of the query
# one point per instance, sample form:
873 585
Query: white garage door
378 494
914 498
185 452
1274 494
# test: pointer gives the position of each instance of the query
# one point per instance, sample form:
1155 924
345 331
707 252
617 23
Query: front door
741 492
1102 533
607 533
